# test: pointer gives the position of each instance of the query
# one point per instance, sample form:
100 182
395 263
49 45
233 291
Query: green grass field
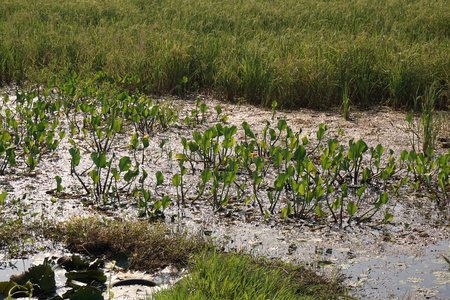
299 53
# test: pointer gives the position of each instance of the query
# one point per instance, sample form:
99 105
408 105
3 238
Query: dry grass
149 246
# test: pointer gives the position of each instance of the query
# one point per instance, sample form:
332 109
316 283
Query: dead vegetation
148 246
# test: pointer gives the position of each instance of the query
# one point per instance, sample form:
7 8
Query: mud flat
395 259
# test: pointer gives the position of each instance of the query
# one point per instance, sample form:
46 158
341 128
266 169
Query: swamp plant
309 178
281 171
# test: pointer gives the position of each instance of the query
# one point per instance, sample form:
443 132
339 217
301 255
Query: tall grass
299 53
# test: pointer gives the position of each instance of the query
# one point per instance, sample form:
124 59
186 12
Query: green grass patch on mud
151 247
238 276
212 274
299 53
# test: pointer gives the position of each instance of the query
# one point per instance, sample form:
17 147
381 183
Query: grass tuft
149 246
238 276
212 274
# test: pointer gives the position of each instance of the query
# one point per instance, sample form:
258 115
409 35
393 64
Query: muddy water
114 273
378 262
413 273
399 260
373 269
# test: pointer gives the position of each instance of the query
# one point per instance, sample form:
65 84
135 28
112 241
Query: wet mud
402 259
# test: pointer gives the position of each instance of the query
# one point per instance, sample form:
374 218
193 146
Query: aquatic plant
324 179
27 130
307 176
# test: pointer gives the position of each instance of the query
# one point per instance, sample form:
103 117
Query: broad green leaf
280 181
256 177
361 146
326 162
404 155
180 156
145 142
351 208
131 174
287 154
230 178
3 197
320 133
117 125
176 180
300 153
124 164
99 159
277 159
165 202
380 149
6 286
206 175
31 162
115 174
220 129
157 205
344 190
309 196
43 276
319 211
94 176
134 141
309 166
122 96
382 200
412 156
87 276
284 212
319 191
332 145
273 135
282 125
290 171
159 178
218 109
361 191
388 217
99 133
248 131
301 189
